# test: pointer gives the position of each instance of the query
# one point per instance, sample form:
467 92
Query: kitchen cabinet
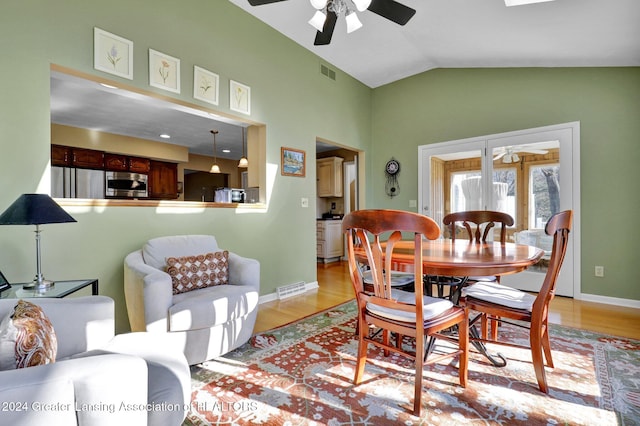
163 180
60 155
65 156
139 165
329 246
87 158
119 162
116 162
329 177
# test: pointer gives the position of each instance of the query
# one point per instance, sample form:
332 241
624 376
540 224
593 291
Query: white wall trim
274 296
629 303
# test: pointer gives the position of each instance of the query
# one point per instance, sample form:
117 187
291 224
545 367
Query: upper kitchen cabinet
329 176
76 157
163 180
124 163
60 155
87 158
139 165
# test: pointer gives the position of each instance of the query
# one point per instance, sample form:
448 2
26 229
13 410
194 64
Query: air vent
328 72
291 290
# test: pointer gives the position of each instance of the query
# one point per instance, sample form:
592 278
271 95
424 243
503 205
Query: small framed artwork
206 85
164 71
112 54
239 97
293 162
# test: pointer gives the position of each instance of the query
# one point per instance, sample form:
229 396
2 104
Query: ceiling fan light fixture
362 5
317 21
353 23
318 4
515 158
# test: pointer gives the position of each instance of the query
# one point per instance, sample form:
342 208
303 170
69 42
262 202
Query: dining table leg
498 360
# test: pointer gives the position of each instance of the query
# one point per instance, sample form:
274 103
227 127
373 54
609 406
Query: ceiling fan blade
392 10
261 2
499 156
324 37
533 151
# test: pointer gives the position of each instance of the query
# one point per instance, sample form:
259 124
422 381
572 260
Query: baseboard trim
274 296
629 303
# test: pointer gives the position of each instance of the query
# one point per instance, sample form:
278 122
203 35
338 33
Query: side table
59 289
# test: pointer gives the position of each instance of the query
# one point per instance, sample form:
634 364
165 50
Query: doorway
529 174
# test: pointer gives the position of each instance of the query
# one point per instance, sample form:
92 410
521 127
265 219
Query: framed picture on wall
239 97
112 54
293 162
164 71
206 85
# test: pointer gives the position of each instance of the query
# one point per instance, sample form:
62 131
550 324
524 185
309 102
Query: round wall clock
392 170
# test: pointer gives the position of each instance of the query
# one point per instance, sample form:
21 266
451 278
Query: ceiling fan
509 154
389 9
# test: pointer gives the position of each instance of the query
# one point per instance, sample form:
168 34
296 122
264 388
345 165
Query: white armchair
96 376
206 322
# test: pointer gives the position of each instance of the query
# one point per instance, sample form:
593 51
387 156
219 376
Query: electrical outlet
304 202
599 271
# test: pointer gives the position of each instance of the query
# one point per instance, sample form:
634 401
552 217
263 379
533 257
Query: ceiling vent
328 72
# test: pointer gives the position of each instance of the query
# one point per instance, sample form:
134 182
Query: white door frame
569 172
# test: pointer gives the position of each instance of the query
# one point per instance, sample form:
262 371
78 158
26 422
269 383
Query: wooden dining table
461 258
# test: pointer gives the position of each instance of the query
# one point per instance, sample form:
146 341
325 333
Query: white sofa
206 322
97 379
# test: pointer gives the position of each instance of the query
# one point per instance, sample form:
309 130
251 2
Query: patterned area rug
301 374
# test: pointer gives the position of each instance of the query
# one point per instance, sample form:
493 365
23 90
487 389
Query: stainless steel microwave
126 185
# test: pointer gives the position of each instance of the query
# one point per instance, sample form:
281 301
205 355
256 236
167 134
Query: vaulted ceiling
468 34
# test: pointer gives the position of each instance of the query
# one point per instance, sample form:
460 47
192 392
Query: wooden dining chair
493 301
478 224
483 220
396 311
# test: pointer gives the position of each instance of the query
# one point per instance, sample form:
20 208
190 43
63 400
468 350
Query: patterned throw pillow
27 338
194 272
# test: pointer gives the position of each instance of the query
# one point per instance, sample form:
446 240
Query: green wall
450 104
289 94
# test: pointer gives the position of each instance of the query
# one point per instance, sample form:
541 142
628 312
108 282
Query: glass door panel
519 173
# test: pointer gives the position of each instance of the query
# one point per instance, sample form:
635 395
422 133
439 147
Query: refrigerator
69 182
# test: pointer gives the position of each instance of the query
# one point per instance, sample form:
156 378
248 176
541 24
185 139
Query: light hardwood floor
335 288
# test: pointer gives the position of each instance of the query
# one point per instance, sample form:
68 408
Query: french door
530 174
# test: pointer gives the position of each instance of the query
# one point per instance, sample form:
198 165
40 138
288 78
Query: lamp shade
318 4
317 21
34 209
362 5
353 23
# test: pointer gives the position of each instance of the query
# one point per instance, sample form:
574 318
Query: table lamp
35 209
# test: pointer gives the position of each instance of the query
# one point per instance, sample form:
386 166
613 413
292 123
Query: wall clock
392 170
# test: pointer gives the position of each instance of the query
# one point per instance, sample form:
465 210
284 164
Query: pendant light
215 168
243 161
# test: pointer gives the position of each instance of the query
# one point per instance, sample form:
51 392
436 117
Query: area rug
301 374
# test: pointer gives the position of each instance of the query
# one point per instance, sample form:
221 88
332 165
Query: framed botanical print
164 71
239 97
112 54
206 85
